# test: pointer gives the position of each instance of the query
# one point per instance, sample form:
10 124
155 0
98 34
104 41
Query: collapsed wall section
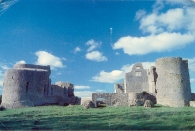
111 99
119 88
173 83
122 99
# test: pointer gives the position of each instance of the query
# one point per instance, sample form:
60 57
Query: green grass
108 118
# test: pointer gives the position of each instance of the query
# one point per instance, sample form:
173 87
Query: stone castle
167 83
30 85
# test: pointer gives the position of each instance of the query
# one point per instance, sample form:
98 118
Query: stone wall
30 85
136 80
111 98
173 84
24 87
122 99
152 78
193 96
119 88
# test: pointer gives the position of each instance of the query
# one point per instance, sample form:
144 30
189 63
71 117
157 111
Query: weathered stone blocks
88 104
173 83
148 104
30 85
192 103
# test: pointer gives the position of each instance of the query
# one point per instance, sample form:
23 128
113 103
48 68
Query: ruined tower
173 83
25 85
30 85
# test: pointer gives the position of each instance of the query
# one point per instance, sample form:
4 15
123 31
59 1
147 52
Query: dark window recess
12 77
51 90
65 90
44 88
27 84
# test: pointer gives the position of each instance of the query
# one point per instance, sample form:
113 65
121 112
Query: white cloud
81 87
139 14
108 77
87 94
21 62
192 80
83 93
191 64
4 5
164 31
3 68
101 91
116 75
1 77
159 43
95 56
158 5
117 53
45 58
93 45
77 49
180 2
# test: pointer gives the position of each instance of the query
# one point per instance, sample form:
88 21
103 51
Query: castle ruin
167 83
30 85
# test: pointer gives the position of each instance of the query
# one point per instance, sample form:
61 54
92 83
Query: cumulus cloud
164 29
116 75
21 62
81 87
6 4
45 58
95 56
93 45
153 43
77 49
83 93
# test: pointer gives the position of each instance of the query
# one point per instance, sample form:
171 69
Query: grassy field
108 118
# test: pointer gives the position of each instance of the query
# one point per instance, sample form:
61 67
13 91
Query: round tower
173 83
25 85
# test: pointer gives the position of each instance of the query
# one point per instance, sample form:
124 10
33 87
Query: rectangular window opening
138 73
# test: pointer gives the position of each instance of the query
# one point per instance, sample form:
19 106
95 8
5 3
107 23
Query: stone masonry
30 85
168 82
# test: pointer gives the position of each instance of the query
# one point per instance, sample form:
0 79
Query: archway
101 102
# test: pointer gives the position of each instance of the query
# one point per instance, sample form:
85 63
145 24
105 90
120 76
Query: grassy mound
108 118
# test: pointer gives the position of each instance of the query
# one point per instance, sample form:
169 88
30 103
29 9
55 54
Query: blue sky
93 43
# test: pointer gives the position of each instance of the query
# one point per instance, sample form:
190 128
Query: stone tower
173 82
25 85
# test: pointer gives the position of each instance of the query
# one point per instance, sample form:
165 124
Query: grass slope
108 118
